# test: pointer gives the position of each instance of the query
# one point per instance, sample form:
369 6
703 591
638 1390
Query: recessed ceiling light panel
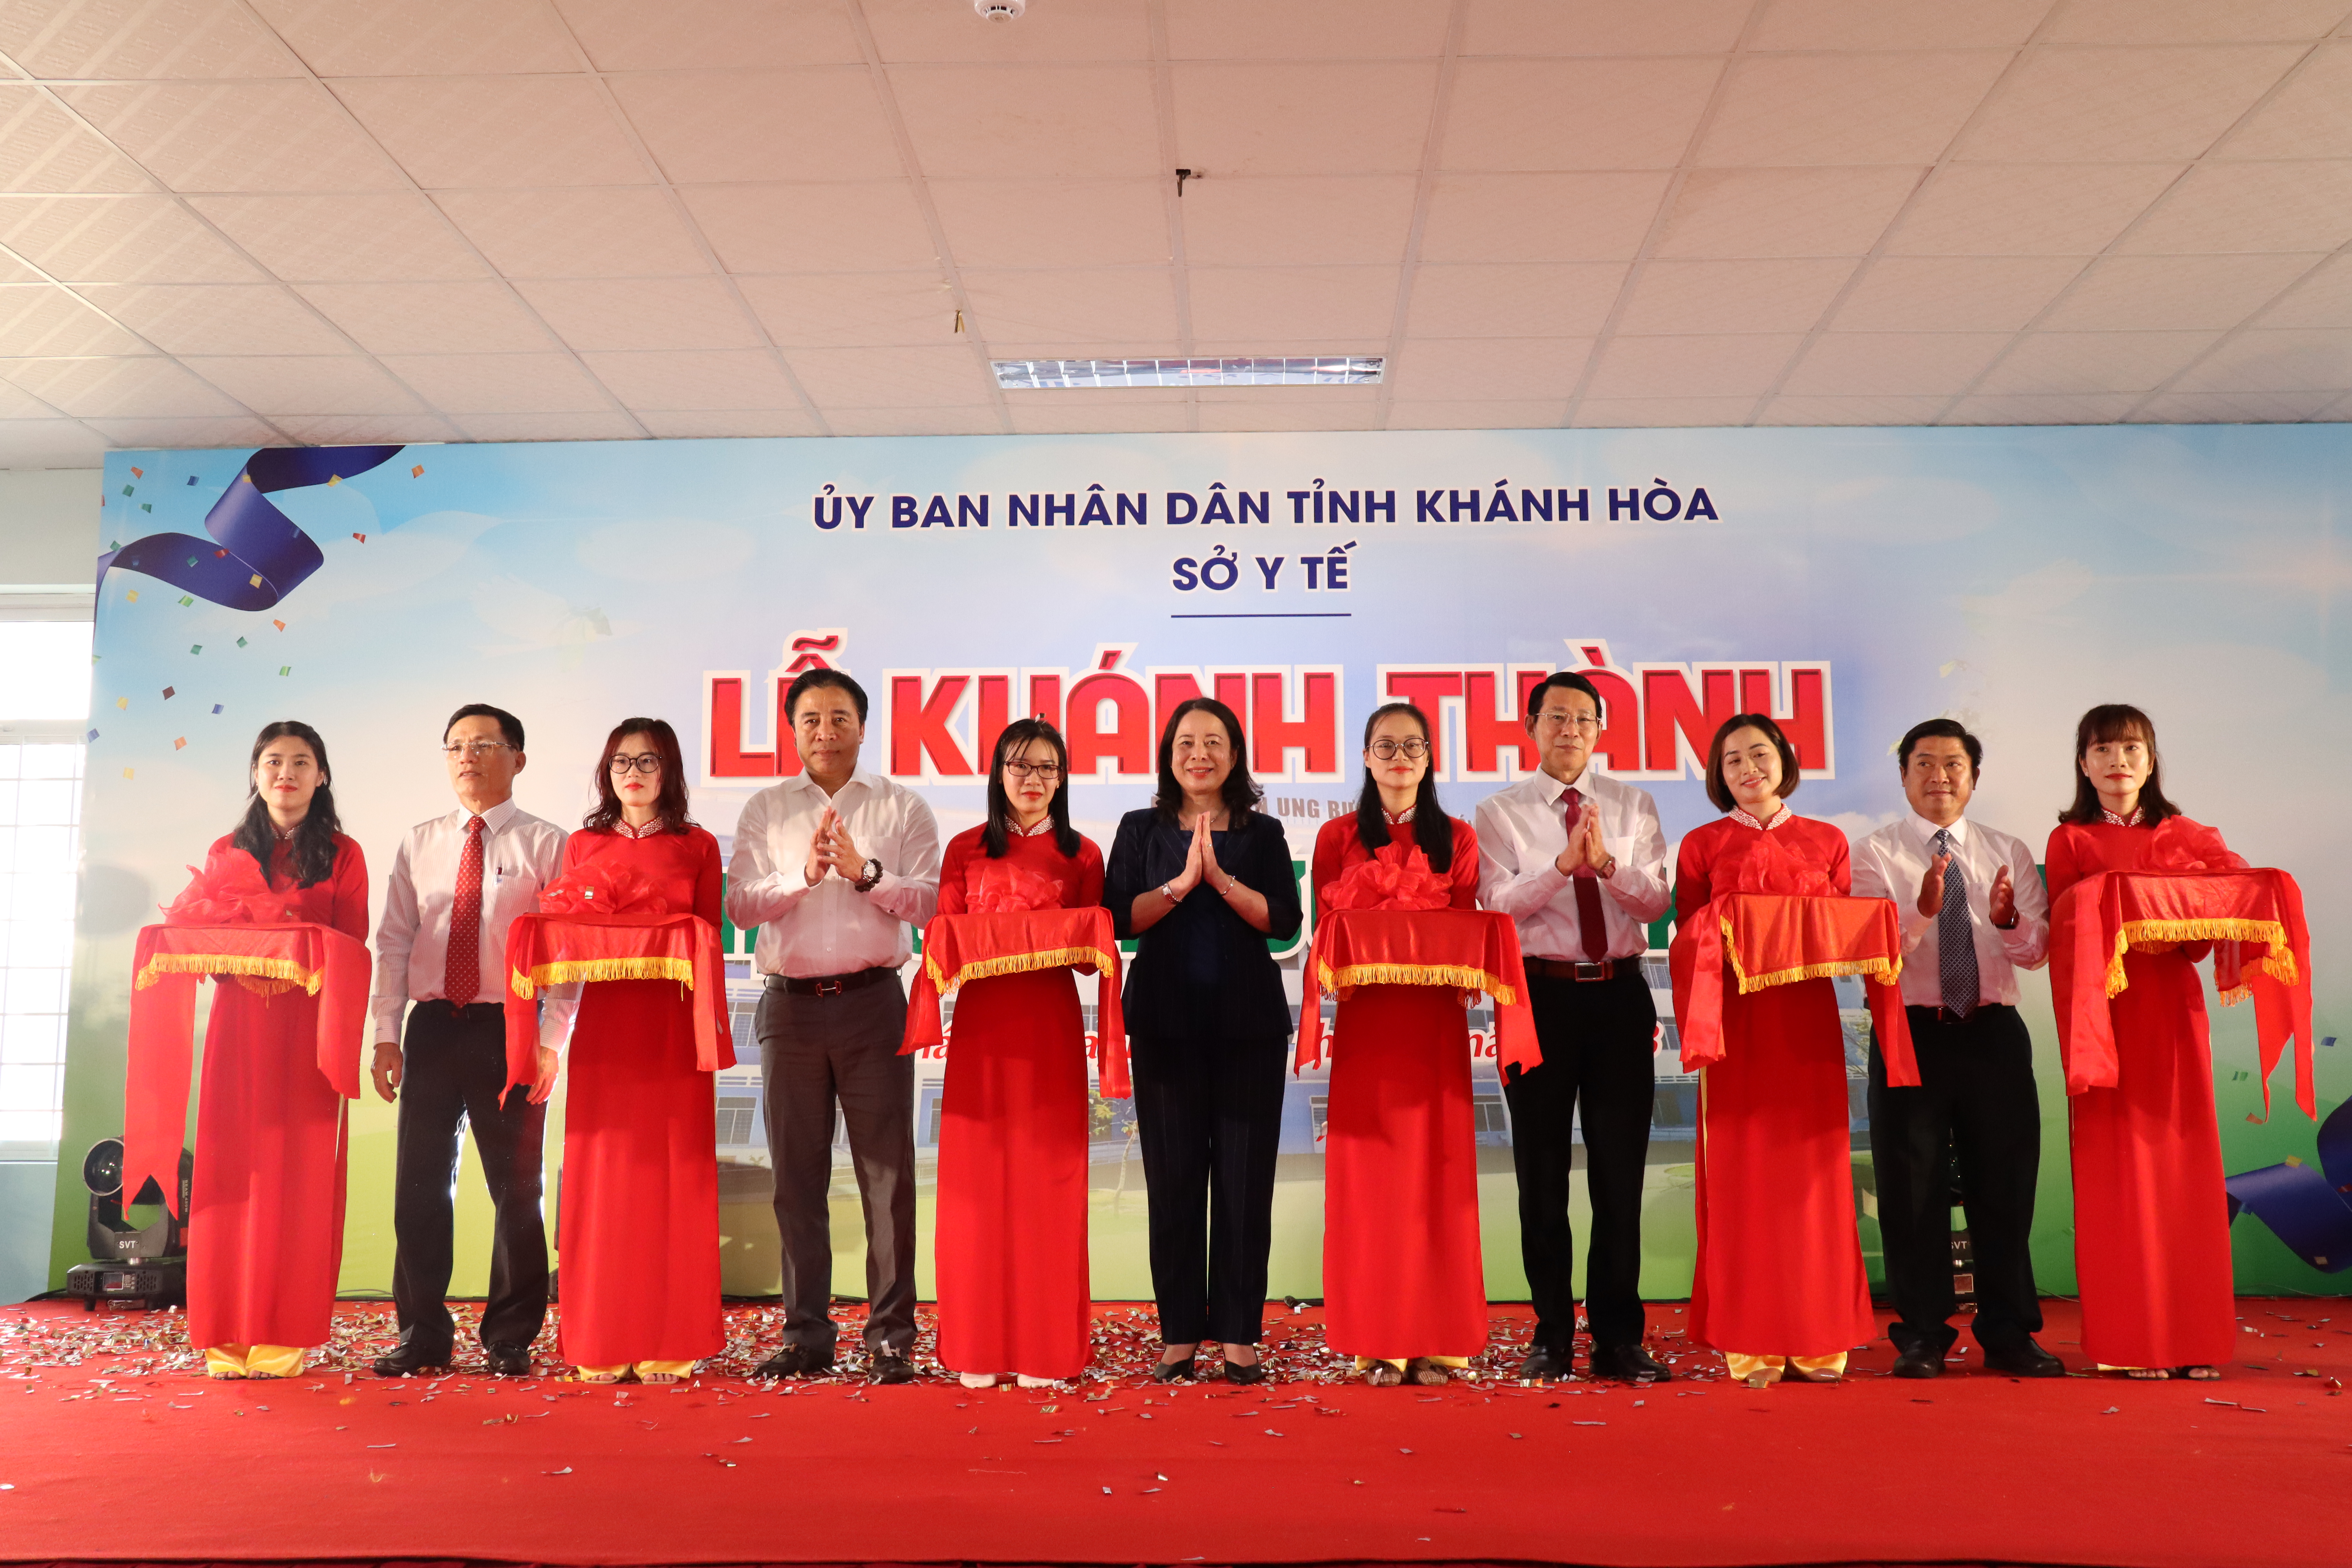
1049 374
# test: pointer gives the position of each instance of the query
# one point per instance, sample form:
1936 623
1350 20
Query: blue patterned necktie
1955 945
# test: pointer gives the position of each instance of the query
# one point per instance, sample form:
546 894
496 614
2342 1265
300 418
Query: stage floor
112 1449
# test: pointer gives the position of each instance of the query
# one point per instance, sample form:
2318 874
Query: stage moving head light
137 1266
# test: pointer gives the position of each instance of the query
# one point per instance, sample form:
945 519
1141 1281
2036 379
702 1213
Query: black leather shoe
1253 1373
1628 1363
506 1359
1920 1361
411 1361
889 1366
1175 1371
796 1361
1545 1365
2027 1360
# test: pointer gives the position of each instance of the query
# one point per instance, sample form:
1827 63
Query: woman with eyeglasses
638 1223
1011 1229
1203 880
1403 1288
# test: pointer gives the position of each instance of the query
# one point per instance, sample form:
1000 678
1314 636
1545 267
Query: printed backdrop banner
1849 583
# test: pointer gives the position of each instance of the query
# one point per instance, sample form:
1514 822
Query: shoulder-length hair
1720 792
2113 721
312 848
1433 830
1241 792
669 806
997 835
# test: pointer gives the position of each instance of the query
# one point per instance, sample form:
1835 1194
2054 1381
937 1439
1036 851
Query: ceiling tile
2093 362
217 317
341 383
363 238
1692 367
43 148
579 233
1130 348
2252 206
502 130
2076 408
119 239
1248 417
2099 105
1893 364
965 420
1305 30
2027 209
948 374
2310 117
1449 370
1095 396
2266 361
1293 301
1861 25
15 272
584 426
714 126
1518 413
2322 299
704 423
1288 396
644 313
683 381
1563 299
1303 118
49 444
1540 218
2235 407
238 135
1953 293
1673 297
1786 410
1079 419
150 388
1784 211
430 317
499 384
1277 221
922 30
140 39
1045 121
631 35
813 228
847 310
1526 27
1054 223
2174 291
1654 413
1545 115
37 318
1072 306
366 429
1778 111
17 405
2193 21
237 431
419 37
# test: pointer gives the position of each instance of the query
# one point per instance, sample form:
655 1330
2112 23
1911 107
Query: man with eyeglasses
456 885
1974 912
1579 863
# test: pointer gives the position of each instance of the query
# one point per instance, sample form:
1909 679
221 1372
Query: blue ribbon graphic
2309 1210
256 555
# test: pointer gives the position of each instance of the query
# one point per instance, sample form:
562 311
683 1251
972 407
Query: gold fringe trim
1466 977
1886 970
2278 962
563 971
1015 964
285 970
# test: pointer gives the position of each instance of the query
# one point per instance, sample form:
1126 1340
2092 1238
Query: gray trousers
814 1051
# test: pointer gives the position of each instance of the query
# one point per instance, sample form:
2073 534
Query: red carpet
113 1454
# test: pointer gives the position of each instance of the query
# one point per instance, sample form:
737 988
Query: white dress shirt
1522 830
1892 863
520 854
832 927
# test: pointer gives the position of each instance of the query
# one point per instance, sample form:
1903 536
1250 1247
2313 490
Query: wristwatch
873 875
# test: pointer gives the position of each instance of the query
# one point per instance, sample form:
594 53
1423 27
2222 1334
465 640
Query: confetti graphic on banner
2309 1210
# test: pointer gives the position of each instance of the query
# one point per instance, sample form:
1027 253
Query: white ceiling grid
227 222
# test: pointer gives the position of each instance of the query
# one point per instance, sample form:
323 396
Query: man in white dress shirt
458 883
1974 912
832 867
1578 861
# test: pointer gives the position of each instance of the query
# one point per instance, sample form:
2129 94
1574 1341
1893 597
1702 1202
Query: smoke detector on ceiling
1001 10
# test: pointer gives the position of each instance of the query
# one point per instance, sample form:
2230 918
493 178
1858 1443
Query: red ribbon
1774 935
540 942
959 949
1470 949
1397 876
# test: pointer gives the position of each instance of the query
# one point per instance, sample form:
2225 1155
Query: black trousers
453 1073
1976 1098
1597 1038
1209 1113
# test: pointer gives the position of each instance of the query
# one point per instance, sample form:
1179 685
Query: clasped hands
833 849
2001 907
1585 848
1200 863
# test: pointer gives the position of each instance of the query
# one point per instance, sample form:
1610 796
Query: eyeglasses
473 751
1589 723
650 763
1049 771
1387 750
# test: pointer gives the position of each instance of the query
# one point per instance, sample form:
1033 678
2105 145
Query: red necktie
461 976
1588 919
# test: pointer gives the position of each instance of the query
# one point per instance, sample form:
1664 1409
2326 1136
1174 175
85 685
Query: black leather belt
1561 969
1946 1014
835 985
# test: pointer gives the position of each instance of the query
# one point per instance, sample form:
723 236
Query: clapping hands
833 849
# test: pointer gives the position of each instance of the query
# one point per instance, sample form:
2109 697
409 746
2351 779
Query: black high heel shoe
1253 1373
1174 1371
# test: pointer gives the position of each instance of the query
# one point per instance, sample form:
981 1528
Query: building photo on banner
1848 583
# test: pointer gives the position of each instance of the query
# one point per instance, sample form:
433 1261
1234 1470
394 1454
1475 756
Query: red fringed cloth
1388 922
1007 936
227 923
605 921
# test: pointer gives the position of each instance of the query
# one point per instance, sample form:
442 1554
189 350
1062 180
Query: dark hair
1433 830
1940 729
1240 791
2109 721
669 806
997 836
1720 792
1566 681
313 847
810 679
508 725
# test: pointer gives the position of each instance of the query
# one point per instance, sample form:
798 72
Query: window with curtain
44 700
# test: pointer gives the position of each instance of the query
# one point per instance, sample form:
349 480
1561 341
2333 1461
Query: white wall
48 526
